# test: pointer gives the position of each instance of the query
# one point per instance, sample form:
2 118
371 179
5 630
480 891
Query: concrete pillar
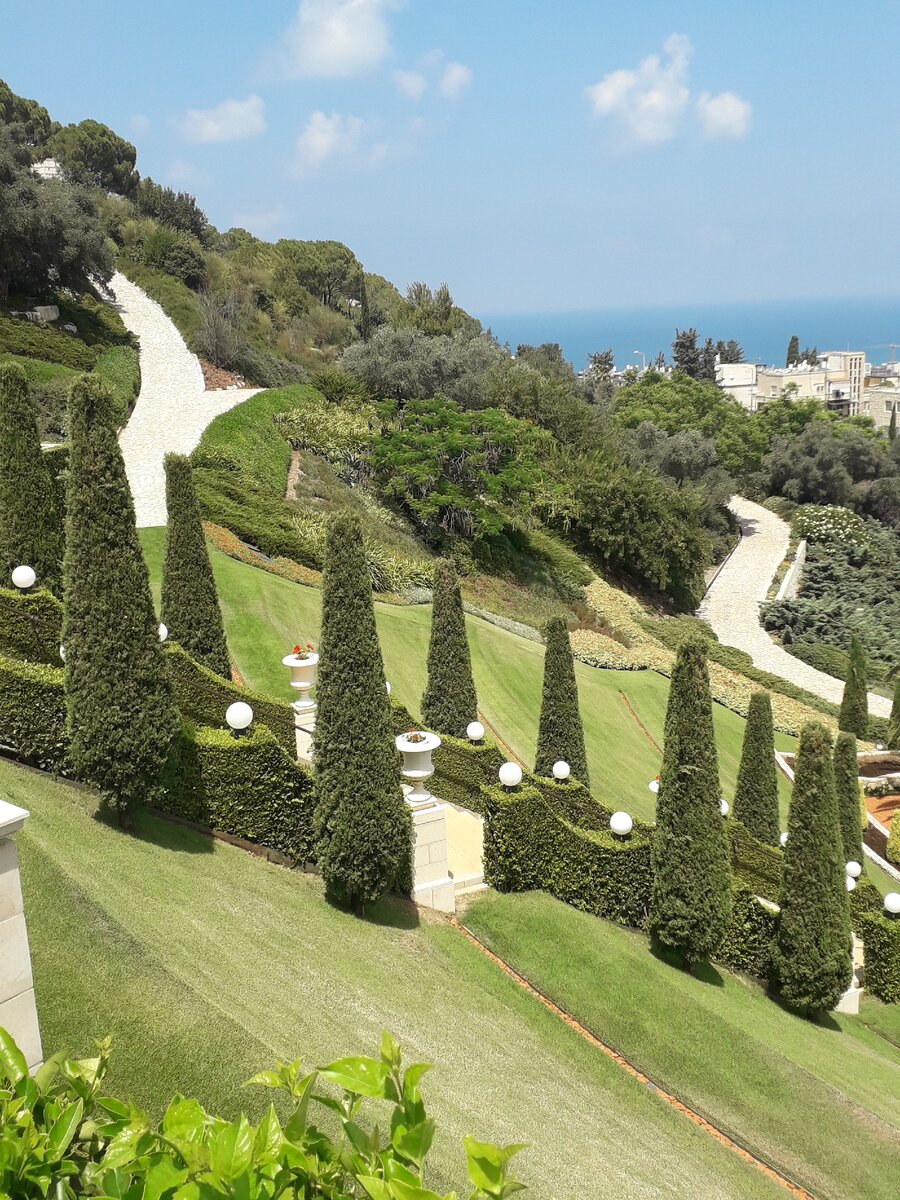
433 884
303 678
18 1014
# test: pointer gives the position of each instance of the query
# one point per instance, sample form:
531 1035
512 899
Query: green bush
337 434
461 769
18 336
881 935
245 786
176 254
893 845
33 714
828 522
120 369
178 302
849 799
754 864
747 944
247 437
831 659
31 626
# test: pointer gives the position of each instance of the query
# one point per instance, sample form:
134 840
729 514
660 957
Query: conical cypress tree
892 425
190 606
756 794
793 352
854 714
449 703
893 733
30 525
846 784
560 732
365 316
363 826
121 716
811 951
691 901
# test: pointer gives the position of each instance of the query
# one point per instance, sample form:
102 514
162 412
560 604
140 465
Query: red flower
296 649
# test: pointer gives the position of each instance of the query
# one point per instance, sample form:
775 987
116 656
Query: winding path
172 408
732 604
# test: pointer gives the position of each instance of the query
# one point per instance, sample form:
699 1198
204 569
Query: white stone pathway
172 409
732 604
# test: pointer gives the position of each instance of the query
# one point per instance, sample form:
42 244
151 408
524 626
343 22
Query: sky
537 156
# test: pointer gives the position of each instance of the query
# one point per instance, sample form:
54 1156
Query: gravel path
172 409
732 604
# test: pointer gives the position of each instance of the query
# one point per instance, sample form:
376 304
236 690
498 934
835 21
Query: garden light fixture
23 577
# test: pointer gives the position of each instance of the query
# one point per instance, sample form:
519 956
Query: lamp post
475 732
23 577
621 825
561 770
892 905
239 717
510 775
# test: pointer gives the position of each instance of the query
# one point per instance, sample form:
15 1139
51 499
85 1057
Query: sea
762 328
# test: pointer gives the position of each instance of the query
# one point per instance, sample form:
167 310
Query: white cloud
332 39
650 100
226 122
724 116
454 79
140 123
336 137
411 83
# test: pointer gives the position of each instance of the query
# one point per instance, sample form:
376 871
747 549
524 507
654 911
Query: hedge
754 865
892 853
245 786
747 943
881 936
461 769
30 626
33 714
19 336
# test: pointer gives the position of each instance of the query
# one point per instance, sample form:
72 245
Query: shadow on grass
391 912
823 1020
703 972
147 827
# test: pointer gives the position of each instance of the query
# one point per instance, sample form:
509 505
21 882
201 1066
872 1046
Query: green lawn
206 963
821 1103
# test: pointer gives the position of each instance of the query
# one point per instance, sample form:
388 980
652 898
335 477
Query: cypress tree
363 826
449 703
121 715
892 424
811 951
691 901
560 732
30 524
893 733
756 794
846 785
365 316
854 714
793 352
190 606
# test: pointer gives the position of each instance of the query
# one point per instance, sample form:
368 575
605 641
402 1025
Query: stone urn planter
417 748
303 677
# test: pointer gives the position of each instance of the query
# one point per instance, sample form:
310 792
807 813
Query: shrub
337 434
120 369
245 786
881 936
747 945
560 731
755 865
831 659
42 341
893 731
828 522
30 626
190 605
847 790
363 826
29 523
121 715
33 714
756 793
691 884
854 714
339 387
811 952
449 702
893 845
175 254
461 769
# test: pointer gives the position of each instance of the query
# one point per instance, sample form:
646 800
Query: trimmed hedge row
747 944
33 713
754 865
461 769
30 626
244 786
881 936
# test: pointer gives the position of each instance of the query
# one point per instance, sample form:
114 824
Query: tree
362 823
707 369
95 156
685 353
756 793
30 121
730 351
893 734
691 900
602 363
190 606
846 784
811 952
30 524
449 703
892 424
854 713
120 712
792 357
560 731
365 317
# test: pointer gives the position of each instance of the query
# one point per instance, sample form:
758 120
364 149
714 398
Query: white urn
303 677
417 765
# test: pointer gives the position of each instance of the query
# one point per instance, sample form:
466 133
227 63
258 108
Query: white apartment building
837 380
880 403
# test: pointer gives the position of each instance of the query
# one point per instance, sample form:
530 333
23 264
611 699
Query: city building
837 380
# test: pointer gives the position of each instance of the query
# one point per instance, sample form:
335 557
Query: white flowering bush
828 522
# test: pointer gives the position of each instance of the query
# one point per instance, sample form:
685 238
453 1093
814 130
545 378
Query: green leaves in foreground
59 1137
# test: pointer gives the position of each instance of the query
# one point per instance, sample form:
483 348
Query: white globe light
561 770
62 653
23 577
621 823
474 731
723 807
850 882
163 632
783 839
879 745
387 684
239 715
892 903
854 869
510 774
653 785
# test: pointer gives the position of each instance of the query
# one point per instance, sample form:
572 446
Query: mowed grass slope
821 1102
206 964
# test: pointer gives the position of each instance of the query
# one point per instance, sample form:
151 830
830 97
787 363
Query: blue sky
537 156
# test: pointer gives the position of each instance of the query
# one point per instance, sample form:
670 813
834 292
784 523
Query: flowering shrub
225 541
828 522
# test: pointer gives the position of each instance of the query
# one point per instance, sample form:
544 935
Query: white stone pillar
18 1013
303 678
433 884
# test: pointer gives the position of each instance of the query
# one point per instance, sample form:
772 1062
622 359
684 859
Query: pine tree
30 525
793 352
560 731
892 424
756 794
811 951
846 784
120 712
449 703
365 316
686 353
854 714
893 733
691 901
190 606
363 826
